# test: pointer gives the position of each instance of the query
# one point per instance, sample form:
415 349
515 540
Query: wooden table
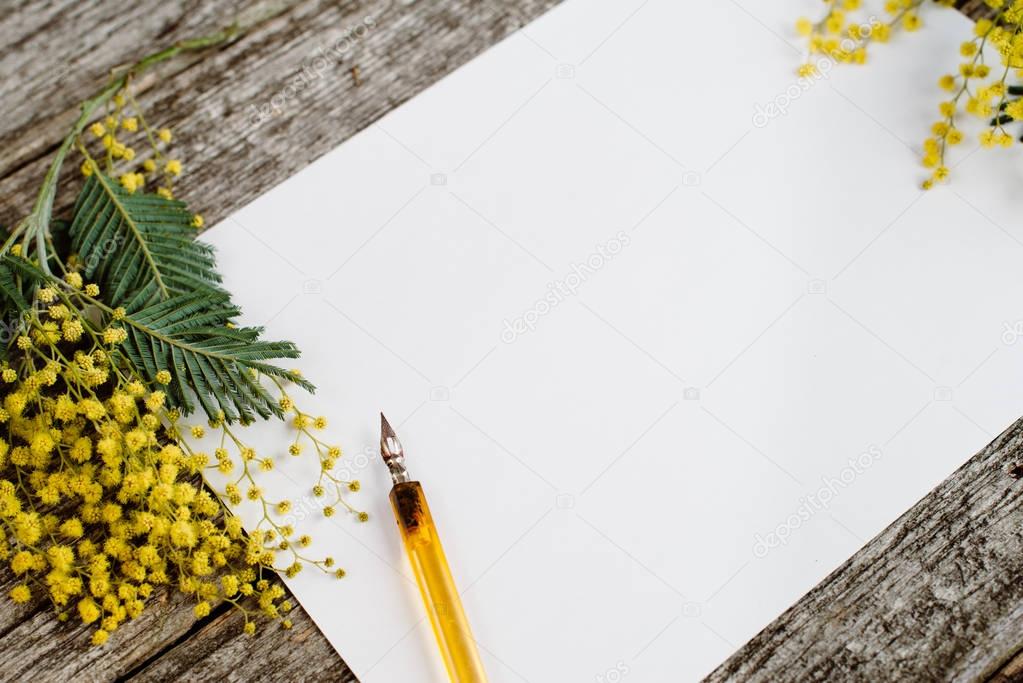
937 595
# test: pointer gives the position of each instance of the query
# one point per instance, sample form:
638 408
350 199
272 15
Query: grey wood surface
938 595
57 53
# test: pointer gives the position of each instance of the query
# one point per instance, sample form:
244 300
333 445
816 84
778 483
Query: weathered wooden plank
938 595
216 652
974 8
45 649
939 589
1011 672
230 158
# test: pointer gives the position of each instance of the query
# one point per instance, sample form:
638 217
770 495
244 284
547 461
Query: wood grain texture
65 49
936 596
215 651
210 101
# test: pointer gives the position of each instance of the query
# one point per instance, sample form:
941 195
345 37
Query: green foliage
138 247
123 293
12 296
13 299
216 363
141 250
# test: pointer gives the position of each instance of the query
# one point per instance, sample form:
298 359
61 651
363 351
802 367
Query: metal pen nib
392 452
426 557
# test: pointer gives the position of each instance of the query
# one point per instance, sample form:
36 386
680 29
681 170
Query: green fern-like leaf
209 362
140 248
12 298
16 286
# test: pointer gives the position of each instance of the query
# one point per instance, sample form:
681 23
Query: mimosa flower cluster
122 331
988 84
845 29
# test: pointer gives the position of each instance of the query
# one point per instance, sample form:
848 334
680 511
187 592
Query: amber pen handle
457 646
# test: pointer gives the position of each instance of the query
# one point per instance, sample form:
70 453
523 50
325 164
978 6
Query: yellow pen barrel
440 595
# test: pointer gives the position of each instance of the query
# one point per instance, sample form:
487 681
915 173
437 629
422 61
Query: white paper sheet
726 305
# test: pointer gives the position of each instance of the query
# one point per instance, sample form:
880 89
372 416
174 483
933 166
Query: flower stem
35 227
